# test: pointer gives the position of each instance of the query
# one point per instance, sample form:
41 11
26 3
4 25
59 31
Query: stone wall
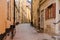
49 24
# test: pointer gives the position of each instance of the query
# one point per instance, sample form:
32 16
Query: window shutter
54 10
46 14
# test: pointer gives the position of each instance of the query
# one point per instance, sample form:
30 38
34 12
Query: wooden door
42 20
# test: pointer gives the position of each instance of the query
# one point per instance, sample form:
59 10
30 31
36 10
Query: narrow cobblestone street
27 32
30 20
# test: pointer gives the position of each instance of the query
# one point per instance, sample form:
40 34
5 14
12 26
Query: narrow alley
29 20
27 32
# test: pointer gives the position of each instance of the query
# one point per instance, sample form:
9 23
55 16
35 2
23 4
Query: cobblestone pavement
27 32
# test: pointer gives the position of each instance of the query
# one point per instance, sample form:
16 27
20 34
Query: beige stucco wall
21 11
16 15
35 6
58 17
59 9
59 3
49 25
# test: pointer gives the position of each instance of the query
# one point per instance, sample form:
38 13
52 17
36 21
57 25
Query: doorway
42 21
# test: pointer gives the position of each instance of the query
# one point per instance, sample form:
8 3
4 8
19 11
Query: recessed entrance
42 20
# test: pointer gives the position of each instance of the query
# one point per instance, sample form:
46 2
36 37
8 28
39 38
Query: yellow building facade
24 12
35 14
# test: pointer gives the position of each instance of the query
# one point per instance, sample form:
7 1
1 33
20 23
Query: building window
50 12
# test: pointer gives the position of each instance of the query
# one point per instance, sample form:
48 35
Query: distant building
17 12
24 11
